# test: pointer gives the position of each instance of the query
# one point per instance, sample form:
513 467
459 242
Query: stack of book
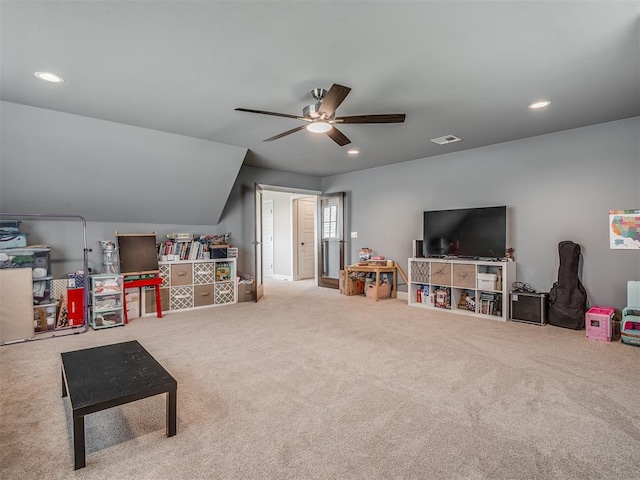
190 250
490 303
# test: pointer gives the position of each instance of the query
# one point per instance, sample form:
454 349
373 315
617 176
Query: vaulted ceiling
468 69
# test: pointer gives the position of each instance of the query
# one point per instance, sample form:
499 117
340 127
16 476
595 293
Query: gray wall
54 162
126 179
238 213
557 187
65 237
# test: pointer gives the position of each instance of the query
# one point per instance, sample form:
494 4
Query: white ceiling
464 68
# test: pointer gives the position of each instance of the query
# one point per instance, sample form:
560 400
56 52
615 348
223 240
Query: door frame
259 189
323 281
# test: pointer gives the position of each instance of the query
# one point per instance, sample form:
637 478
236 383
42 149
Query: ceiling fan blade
382 118
275 114
338 137
284 134
333 98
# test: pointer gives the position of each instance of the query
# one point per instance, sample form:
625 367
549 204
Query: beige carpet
310 384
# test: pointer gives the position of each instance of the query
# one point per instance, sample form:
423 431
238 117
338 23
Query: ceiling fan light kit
319 126
322 115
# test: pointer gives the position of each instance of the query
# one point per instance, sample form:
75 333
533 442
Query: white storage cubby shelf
469 287
193 284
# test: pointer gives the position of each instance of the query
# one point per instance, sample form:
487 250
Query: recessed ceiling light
49 77
319 127
540 104
353 152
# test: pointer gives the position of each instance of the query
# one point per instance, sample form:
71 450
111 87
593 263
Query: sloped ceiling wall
58 163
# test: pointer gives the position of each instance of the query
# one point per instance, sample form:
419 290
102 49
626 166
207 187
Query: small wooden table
377 269
103 377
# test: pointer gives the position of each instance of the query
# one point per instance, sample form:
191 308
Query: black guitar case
568 298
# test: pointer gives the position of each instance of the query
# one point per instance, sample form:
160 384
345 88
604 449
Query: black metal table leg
64 385
171 412
78 443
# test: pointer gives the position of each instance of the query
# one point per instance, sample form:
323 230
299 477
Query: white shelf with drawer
193 284
470 287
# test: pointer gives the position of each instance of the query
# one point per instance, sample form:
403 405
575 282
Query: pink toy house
598 321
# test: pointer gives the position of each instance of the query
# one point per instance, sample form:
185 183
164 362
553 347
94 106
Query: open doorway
300 243
289 233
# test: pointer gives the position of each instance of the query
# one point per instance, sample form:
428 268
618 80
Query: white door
306 236
267 237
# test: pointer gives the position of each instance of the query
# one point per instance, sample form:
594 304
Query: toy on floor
630 324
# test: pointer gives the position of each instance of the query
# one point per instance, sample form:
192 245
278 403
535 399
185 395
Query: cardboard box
132 297
75 280
440 273
355 286
464 275
44 318
245 291
486 281
486 285
384 291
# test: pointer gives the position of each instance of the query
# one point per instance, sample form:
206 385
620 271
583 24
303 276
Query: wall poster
624 229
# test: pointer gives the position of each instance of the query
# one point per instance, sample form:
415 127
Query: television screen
469 232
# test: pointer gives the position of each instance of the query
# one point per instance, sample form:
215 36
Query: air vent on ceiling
446 139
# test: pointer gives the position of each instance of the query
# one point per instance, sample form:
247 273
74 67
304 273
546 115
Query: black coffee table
104 377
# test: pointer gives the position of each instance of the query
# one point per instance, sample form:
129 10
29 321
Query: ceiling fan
321 116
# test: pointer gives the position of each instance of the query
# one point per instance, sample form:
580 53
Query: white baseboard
402 295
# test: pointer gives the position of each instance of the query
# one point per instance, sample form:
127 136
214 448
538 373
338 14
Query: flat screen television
467 232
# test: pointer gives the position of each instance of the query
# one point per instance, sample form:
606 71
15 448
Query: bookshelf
193 284
467 287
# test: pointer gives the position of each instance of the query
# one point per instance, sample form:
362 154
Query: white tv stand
440 283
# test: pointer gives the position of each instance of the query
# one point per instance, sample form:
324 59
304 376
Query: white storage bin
487 281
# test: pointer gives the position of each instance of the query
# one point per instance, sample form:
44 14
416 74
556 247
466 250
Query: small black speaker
528 307
418 251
